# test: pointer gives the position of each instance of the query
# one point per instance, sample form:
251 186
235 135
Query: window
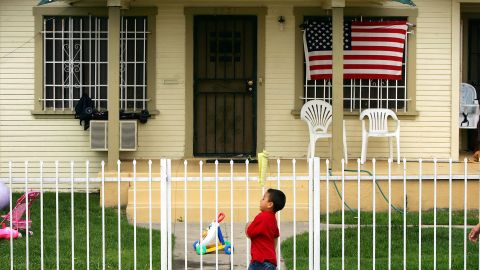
75 59
398 95
72 58
133 63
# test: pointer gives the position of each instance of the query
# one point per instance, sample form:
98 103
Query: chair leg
312 148
330 144
364 149
390 147
309 150
398 149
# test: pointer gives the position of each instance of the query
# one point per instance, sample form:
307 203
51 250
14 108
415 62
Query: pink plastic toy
6 232
16 216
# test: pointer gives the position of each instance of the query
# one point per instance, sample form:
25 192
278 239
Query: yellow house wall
22 135
26 137
302 204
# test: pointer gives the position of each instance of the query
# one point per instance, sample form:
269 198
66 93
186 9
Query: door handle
250 84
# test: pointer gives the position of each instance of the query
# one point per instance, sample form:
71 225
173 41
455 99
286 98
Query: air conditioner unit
128 135
99 135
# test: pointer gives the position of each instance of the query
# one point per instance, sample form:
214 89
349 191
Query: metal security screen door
225 57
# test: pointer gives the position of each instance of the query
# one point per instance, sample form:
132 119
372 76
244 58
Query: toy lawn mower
207 243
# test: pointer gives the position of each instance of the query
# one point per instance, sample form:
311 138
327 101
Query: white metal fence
325 230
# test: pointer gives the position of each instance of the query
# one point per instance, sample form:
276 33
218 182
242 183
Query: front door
225 80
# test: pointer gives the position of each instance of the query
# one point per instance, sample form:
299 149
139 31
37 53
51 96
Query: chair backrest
317 114
468 94
378 119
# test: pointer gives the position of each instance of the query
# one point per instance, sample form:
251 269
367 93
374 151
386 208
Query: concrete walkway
224 261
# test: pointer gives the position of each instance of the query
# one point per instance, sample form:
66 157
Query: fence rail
322 226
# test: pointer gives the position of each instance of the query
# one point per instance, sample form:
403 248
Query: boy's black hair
278 198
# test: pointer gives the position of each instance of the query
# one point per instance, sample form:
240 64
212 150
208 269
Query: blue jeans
261 266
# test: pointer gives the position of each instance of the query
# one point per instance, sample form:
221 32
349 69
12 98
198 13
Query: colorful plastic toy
207 243
17 213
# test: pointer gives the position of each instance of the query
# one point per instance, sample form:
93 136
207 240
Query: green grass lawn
80 233
381 218
381 243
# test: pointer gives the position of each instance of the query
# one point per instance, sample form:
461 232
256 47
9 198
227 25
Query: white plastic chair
469 111
378 127
318 115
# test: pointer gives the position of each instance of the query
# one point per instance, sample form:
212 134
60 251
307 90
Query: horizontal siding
425 135
164 136
22 136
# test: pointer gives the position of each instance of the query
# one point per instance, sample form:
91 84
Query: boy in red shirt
263 231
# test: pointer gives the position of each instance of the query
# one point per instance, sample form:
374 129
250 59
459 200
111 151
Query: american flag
371 50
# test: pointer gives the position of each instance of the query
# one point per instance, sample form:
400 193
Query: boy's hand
246 228
473 235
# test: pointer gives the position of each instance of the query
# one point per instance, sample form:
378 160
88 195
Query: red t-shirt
262 232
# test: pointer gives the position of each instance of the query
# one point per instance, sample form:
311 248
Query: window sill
350 115
66 114
52 114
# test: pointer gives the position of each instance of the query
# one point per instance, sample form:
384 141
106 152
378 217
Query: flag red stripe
377 48
372 57
371 76
379 39
358 76
319 67
358 57
379 30
320 57
366 66
384 23
321 76
347 67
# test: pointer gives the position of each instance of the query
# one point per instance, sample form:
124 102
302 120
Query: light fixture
281 21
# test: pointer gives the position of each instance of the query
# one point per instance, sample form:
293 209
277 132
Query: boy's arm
473 235
246 228
254 228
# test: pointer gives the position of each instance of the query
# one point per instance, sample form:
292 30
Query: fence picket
134 214
27 251
231 215
434 213
294 188
103 215
185 211
358 214
11 202
389 213
420 174
72 214
279 217
316 213
374 207
41 218
119 229
404 214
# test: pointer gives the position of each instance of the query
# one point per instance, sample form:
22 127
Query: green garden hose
376 183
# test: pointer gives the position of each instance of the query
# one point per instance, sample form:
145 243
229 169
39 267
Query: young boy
263 231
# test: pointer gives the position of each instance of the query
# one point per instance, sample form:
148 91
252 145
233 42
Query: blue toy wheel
195 244
228 249
201 249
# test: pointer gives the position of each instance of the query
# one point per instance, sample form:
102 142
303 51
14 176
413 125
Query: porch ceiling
127 3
